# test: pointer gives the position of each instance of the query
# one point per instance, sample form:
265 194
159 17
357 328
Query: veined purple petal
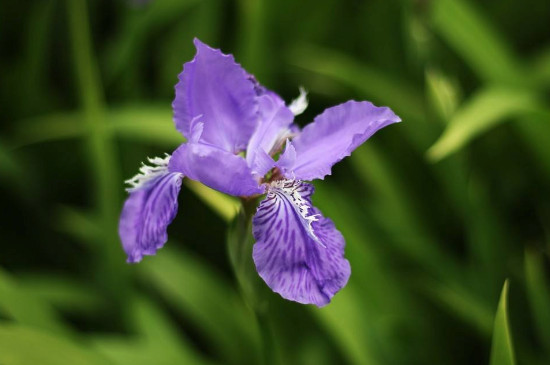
275 119
298 252
147 213
215 168
334 134
215 86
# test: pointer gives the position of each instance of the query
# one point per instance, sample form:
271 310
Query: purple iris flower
241 141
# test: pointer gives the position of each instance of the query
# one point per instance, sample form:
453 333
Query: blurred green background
437 211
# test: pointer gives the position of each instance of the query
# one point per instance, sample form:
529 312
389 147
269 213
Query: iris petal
146 215
215 168
298 252
218 89
275 120
334 134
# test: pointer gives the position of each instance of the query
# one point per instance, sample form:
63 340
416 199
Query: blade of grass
223 205
483 111
21 345
63 293
149 123
538 288
136 30
369 81
202 296
100 147
26 308
502 349
473 38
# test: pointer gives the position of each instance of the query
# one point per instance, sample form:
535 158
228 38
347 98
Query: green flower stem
253 289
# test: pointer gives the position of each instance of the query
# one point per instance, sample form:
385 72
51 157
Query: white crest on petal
147 173
298 105
291 189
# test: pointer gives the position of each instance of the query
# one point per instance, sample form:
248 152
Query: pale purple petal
287 160
147 213
275 120
216 168
298 252
215 86
262 163
334 134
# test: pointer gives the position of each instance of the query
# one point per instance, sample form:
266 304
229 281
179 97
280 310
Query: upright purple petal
215 168
298 252
275 120
334 134
216 88
147 213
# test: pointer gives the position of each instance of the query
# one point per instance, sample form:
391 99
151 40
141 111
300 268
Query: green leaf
538 289
473 38
137 28
21 345
443 93
483 111
26 308
223 205
148 123
370 81
157 340
205 298
145 123
239 245
460 302
62 292
502 349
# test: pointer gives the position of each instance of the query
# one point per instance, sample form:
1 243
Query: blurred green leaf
80 225
136 30
443 93
63 293
239 246
202 296
146 123
473 38
538 289
483 111
21 345
157 341
461 303
540 67
9 168
413 236
372 82
356 324
346 320
223 205
25 307
502 349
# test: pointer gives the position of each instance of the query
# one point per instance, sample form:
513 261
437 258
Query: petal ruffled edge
216 88
298 252
146 214
334 134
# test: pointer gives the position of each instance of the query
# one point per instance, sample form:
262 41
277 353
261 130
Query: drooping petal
215 86
334 134
215 168
146 214
275 119
298 252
